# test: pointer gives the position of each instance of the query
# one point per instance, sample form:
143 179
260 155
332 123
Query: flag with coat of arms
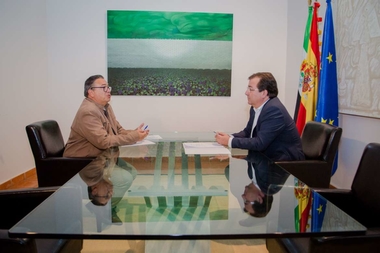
309 73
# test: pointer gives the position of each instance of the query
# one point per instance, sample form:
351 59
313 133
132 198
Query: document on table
205 148
140 143
153 137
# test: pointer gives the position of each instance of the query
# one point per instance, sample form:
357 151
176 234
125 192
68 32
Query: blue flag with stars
317 212
327 104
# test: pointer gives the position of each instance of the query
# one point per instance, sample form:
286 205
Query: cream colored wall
24 86
77 46
357 133
51 47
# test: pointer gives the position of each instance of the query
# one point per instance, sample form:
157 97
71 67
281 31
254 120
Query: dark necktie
106 113
249 170
254 124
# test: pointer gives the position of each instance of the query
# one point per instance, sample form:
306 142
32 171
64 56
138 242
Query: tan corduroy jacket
92 132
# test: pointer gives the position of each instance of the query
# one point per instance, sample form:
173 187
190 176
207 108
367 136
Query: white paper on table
153 137
205 148
140 143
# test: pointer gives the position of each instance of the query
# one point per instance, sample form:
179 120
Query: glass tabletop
161 190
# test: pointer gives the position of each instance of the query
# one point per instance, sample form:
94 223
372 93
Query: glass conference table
179 186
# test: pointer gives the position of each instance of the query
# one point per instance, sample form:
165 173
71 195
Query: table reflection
164 183
158 192
266 180
173 186
108 177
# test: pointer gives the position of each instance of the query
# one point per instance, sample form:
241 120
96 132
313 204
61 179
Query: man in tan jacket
95 127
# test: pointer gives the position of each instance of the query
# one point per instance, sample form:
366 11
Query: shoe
115 218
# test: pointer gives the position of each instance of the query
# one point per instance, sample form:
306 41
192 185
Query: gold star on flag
320 209
330 57
331 121
323 120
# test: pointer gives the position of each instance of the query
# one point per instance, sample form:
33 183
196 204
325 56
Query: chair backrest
365 185
320 141
45 139
17 203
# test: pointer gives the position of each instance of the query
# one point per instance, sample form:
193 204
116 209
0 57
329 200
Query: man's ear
260 197
90 93
94 190
264 93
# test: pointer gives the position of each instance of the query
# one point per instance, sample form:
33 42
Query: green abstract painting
153 53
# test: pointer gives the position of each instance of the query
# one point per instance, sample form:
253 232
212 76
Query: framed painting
155 53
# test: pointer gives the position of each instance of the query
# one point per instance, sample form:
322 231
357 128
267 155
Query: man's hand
142 133
140 126
222 138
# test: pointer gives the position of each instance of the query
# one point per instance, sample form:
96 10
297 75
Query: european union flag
317 212
327 104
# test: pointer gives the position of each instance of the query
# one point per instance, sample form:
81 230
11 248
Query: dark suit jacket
269 176
275 134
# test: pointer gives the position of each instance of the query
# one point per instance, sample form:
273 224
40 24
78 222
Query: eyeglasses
105 88
108 196
247 201
252 89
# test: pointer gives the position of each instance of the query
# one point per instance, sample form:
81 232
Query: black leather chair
320 144
362 202
15 205
47 145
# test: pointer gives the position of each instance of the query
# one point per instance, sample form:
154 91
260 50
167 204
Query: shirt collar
98 105
260 107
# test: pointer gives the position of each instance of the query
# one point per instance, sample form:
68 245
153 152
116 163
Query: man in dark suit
270 128
266 180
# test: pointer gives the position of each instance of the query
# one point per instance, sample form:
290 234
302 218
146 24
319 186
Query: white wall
357 133
77 48
51 47
24 86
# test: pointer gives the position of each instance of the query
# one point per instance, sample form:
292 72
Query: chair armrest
370 242
4 236
347 244
19 245
12 213
28 192
348 201
56 171
342 198
30 199
313 173
334 192
287 245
